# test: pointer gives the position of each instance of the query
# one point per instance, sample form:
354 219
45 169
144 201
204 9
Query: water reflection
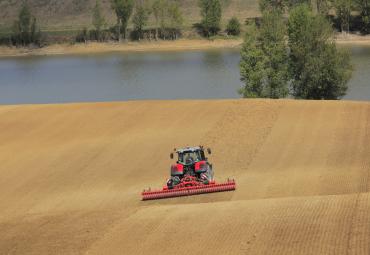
359 85
163 75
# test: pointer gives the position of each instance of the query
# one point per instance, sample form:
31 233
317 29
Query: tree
264 58
175 18
123 10
252 70
343 10
140 20
211 12
318 70
98 20
293 3
322 6
160 11
168 17
25 29
364 8
157 7
233 27
266 5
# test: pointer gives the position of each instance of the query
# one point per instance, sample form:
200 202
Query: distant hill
75 14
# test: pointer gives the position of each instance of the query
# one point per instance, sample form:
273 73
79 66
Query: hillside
76 14
71 175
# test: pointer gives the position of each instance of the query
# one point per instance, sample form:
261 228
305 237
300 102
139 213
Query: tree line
168 19
296 57
167 15
346 15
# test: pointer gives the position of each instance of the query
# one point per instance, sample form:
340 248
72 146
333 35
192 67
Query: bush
318 69
233 27
211 13
82 36
25 29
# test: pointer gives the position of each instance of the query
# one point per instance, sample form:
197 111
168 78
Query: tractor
192 174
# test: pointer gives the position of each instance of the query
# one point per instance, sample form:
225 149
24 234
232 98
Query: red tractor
192 174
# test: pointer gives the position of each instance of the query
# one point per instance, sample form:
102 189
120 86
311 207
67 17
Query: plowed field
71 177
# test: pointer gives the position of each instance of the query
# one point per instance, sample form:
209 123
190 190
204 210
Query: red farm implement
191 175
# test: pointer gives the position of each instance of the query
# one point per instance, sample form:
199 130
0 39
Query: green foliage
98 19
168 18
175 16
252 69
264 59
283 5
233 27
123 10
293 3
363 7
318 69
211 13
323 6
269 5
343 10
82 36
158 8
310 63
140 20
25 29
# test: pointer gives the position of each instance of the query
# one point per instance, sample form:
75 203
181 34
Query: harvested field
71 176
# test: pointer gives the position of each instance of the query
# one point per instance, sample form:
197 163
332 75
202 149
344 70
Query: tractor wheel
170 183
173 181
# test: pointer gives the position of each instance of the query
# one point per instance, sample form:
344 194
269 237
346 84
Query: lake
138 76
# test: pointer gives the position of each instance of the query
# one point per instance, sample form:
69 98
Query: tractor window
195 156
202 156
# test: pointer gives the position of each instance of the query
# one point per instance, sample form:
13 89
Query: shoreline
150 46
345 39
111 47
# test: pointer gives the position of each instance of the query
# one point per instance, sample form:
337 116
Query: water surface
132 76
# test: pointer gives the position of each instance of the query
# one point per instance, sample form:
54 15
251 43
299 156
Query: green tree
233 27
25 29
268 5
140 20
160 11
168 18
343 10
264 58
293 3
157 7
322 6
98 19
363 7
175 18
252 70
211 12
123 10
318 69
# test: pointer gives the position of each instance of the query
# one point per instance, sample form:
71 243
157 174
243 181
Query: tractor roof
189 149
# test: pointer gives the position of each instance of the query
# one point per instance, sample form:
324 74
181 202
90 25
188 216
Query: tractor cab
192 174
190 155
191 161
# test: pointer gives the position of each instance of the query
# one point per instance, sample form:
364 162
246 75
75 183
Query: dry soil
71 177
